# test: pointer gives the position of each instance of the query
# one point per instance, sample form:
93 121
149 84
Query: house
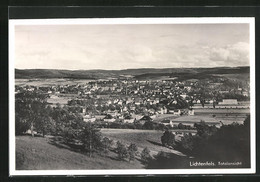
177 112
245 93
132 108
128 119
187 88
137 116
83 110
211 101
138 101
99 117
194 102
163 110
109 118
115 101
145 119
30 89
151 111
118 89
157 100
228 102
173 102
105 88
124 109
129 100
112 113
167 122
167 87
183 95
88 118
191 112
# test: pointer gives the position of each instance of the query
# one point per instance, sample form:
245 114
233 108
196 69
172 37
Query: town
171 102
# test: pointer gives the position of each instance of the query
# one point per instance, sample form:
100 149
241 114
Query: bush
145 155
168 139
106 143
148 125
132 151
121 151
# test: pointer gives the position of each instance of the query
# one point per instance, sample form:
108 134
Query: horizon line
127 68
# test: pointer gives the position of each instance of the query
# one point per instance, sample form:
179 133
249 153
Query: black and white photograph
113 96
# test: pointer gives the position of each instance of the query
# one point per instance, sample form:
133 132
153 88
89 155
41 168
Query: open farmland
142 138
222 111
50 82
61 99
227 116
242 76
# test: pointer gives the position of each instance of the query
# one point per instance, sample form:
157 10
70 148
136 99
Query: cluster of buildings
131 100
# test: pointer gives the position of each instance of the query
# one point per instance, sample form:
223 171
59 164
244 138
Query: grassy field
142 138
47 154
40 154
222 111
60 100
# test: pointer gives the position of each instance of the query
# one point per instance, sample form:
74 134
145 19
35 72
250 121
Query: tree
121 151
204 130
230 142
45 123
132 151
21 125
148 125
30 109
91 138
106 142
181 126
168 138
187 142
59 115
145 155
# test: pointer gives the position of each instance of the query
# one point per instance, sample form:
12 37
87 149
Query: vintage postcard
132 96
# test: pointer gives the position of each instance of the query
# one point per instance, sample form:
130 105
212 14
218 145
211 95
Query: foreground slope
39 154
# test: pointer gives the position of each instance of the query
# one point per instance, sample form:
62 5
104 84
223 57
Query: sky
115 47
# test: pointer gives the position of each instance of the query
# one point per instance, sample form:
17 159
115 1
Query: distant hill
142 73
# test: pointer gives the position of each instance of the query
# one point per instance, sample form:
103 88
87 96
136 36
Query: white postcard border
79 21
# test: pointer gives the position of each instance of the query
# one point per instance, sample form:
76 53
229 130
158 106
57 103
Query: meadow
42 154
38 153
142 138
227 116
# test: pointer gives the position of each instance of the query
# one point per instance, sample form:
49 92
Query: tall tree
45 123
29 106
91 138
